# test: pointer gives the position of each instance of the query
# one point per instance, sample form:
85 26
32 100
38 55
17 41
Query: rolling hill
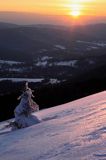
75 131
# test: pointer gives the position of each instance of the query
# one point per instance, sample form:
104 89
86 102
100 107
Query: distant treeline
51 95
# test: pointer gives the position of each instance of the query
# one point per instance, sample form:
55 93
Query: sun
75 10
75 13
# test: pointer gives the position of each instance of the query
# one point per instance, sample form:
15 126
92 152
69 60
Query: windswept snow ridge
73 131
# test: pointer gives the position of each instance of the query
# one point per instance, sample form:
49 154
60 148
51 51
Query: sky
47 11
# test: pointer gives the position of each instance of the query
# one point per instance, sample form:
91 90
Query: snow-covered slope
73 131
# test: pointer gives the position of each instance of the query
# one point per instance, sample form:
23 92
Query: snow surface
10 62
60 46
93 45
72 131
71 63
54 81
46 58
100 44
42 63
16 69
35 80
22 79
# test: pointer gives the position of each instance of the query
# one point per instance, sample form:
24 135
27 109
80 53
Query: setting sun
75 10
75 13
53 11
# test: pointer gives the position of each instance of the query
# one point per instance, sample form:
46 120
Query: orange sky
91 8
55 7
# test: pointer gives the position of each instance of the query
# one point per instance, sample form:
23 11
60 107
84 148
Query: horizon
50 24
61 12
25 18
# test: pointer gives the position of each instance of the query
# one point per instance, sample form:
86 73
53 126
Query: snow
92 44
10 62
67 63
101 44
54 81
35 80
72 131
46 58
16 69
92 48
60 47
22 79
42 63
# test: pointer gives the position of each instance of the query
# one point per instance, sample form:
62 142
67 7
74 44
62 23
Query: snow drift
73 131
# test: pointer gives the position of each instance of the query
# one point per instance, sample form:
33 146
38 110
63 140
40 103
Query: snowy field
73 131
92 45
10 62
22 79
34 80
